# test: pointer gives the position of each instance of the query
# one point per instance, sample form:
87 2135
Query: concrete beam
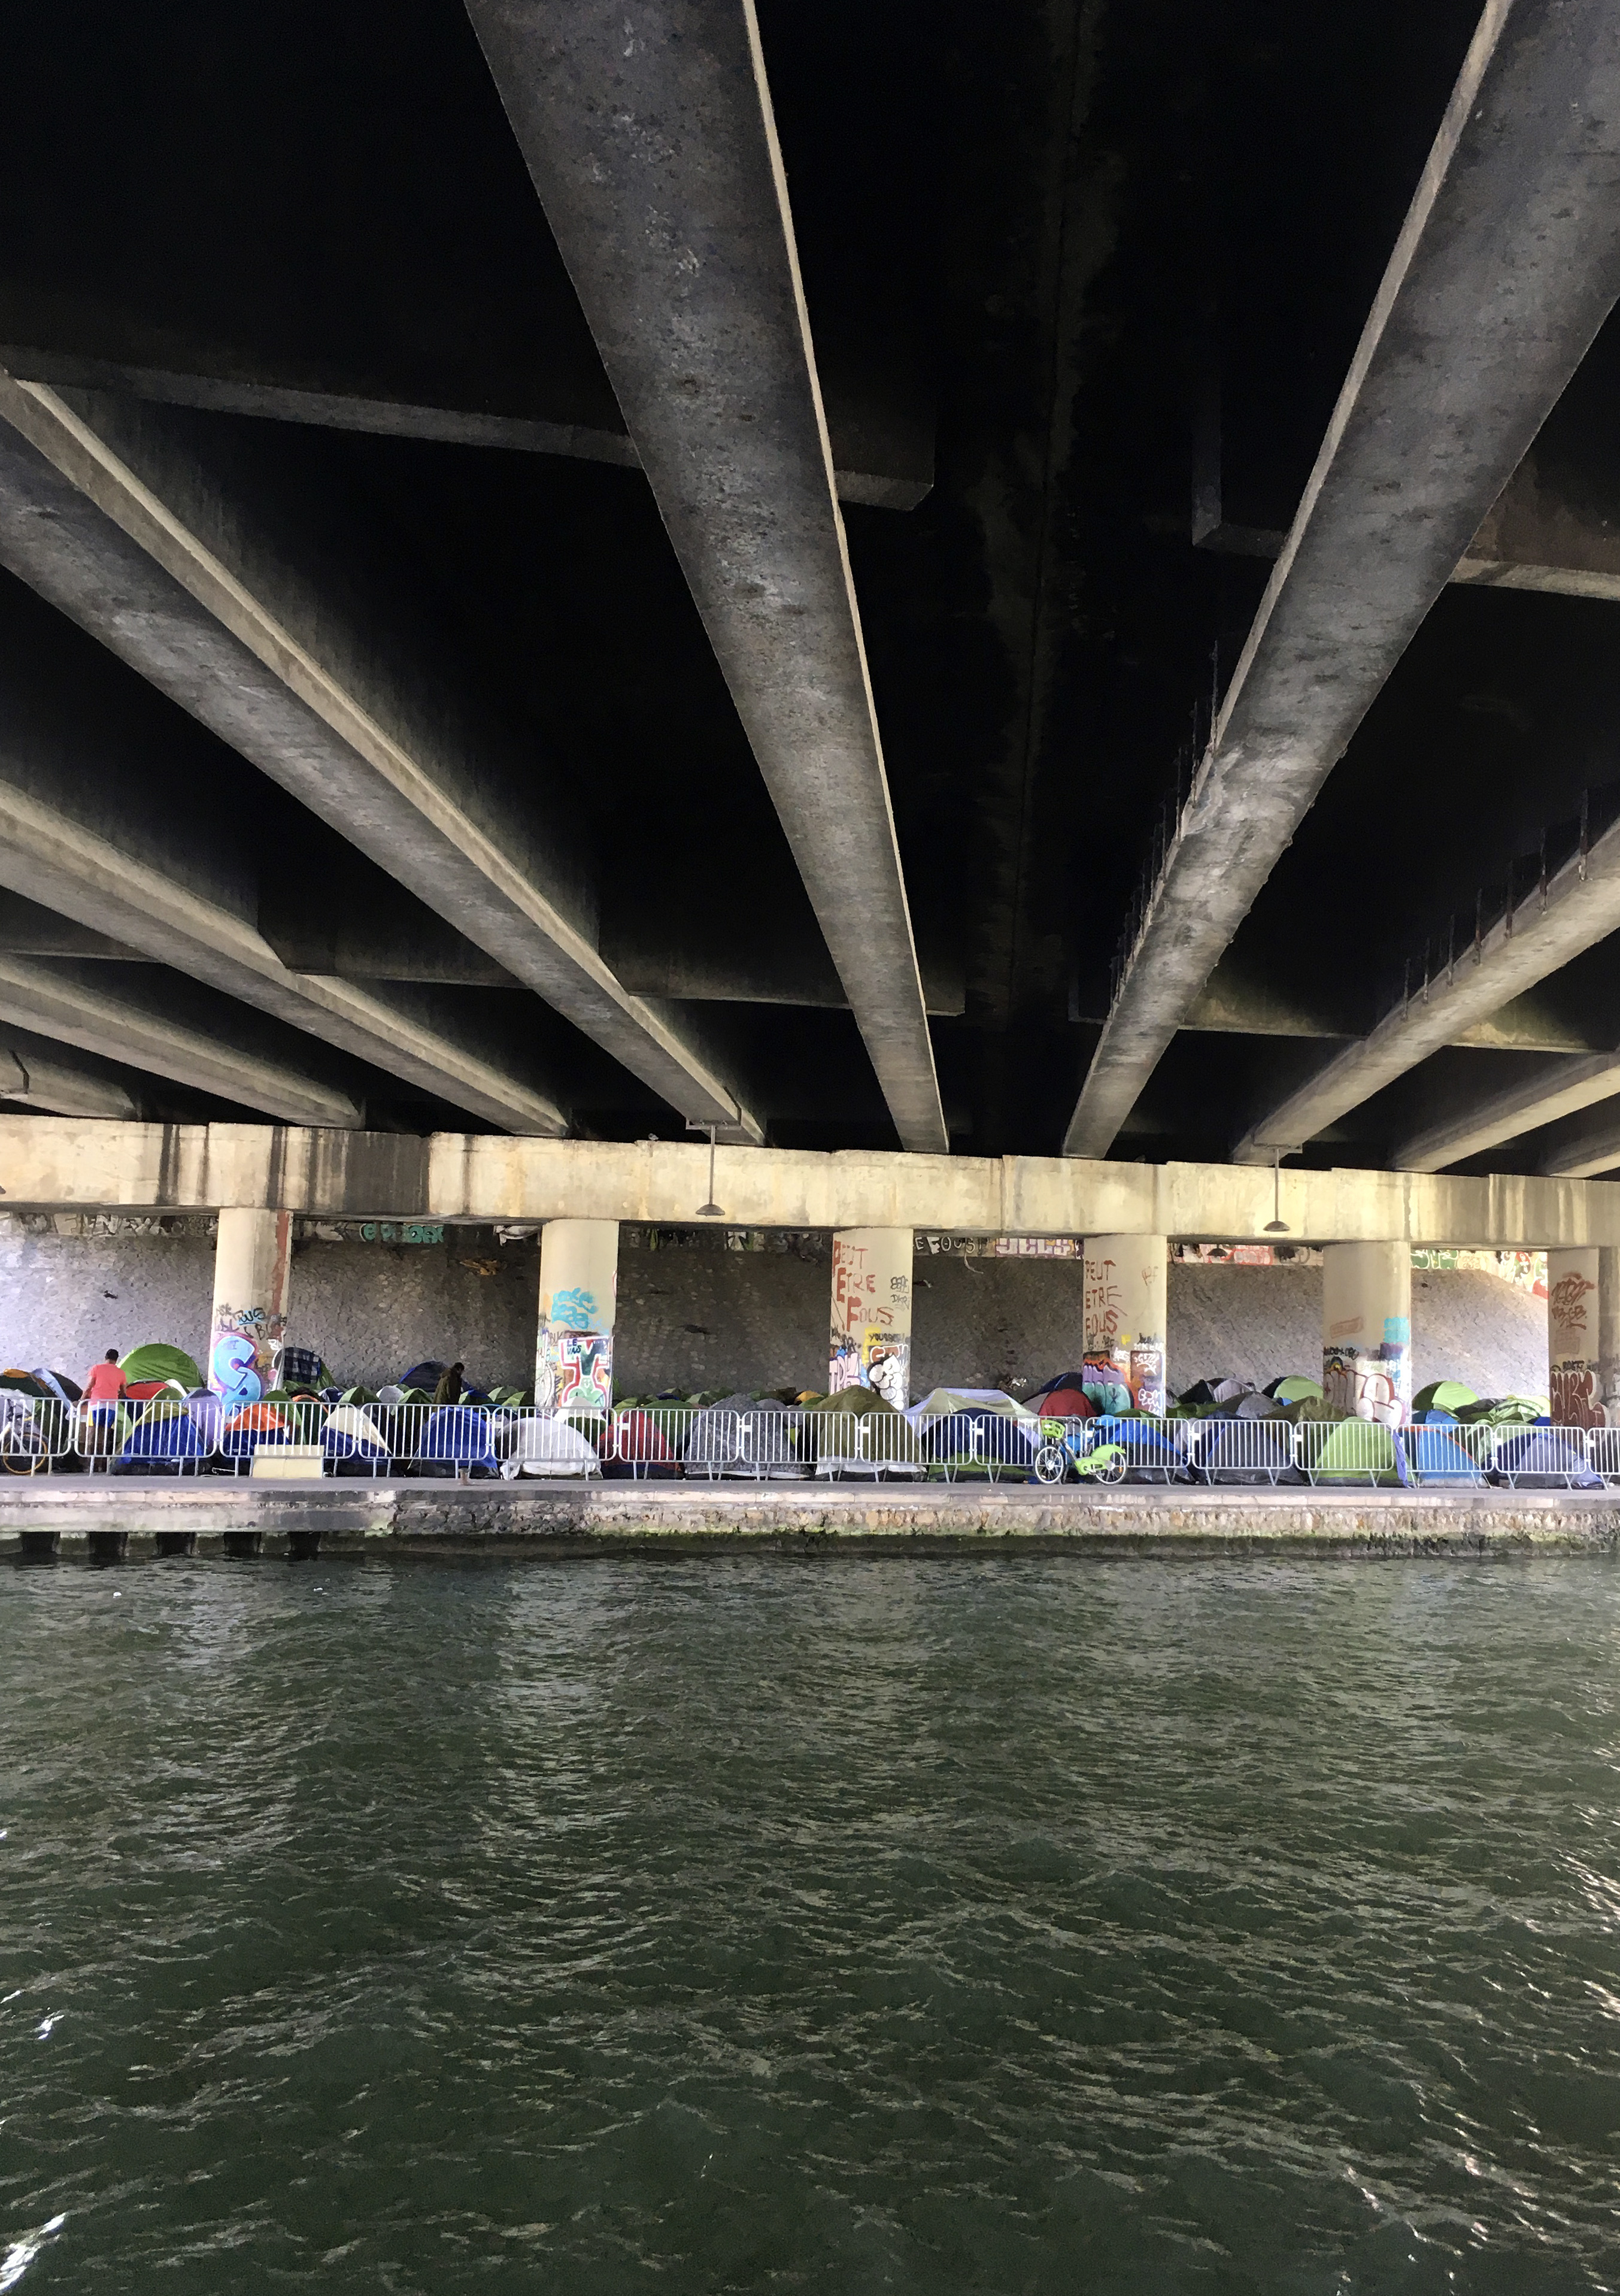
656 160
902 482
57 1087
1506 264
1592 1148
56 1003
54 1164
767 975
153 913
1581 907
1532 537
1244 1004
109 512
1559 1090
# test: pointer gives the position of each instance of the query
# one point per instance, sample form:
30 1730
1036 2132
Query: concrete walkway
83 1517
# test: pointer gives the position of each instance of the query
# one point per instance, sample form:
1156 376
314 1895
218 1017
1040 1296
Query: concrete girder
1533 538
1581 907
1506 264
57 1088
99 539
1239 1004
894 488
56 861
118 1027
1593 1149
656 161
1562 1089
455 1177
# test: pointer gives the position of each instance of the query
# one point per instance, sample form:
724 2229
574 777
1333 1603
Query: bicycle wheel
1051 1464
1110 1468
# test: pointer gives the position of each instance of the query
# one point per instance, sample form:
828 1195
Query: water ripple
756 1925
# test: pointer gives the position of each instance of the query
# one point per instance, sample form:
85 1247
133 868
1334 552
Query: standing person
106 1383
449 1388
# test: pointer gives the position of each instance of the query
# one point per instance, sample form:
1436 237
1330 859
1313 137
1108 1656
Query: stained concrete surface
719 1319
72 1517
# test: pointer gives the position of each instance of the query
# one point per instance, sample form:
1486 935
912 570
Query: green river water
842 1925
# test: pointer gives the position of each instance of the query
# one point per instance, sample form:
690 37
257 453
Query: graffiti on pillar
1575 1400
574 1309
242 1352
869 1344
1369 1383
1114 1357
573 1369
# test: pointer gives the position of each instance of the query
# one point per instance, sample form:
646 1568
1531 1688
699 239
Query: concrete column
1127 1314
579 1299
1366 1330
869 1343
1574 1336
252 1261
1609 1332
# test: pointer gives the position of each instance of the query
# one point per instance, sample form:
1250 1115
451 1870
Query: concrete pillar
1574 1336
579 1299
1366 1330
870 1343
1609 1332
1127 1314
252 1261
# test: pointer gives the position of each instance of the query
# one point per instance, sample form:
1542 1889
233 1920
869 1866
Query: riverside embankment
94 1519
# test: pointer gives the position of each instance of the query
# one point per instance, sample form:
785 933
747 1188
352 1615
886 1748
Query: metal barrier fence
176 1434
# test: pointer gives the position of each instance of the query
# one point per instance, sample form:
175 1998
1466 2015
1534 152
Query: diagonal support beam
1592 1149
900 482
1506 264
30 1078
160 566
1581 907
1562 1089
58 862
652 145
132 1030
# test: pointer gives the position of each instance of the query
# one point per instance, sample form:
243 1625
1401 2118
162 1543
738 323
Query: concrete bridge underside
992 583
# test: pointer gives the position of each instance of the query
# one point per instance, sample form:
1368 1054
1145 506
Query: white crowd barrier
175 1434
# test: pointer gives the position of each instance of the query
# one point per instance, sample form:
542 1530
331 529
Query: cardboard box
286 1463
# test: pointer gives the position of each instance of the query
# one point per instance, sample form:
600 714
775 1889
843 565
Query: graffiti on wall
242 1352
870 1341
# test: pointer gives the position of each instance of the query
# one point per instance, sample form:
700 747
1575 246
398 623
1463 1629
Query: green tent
1443 1395
156 1360
1297 1388
1350 1451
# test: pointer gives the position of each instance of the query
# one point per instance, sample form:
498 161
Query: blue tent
458 1436
1151 1450
1434 1454
168 1438
1541 1455
984 1440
